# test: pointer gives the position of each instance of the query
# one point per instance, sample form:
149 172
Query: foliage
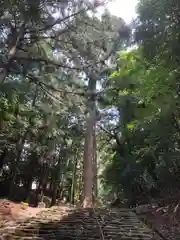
48 49
146 152
52 55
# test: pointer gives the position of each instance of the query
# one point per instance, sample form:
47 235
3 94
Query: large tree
49 51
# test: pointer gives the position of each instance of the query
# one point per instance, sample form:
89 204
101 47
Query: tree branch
112 135
11 54
50 87
58 21
48 62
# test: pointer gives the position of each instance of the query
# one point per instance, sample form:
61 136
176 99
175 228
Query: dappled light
59 223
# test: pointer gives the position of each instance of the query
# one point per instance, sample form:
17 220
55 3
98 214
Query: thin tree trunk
88 149
73 182
30 173
31 168
95 189
51 186
62 177
20 147
44 183
29 185
2 158
56 180
54 193
80 187
57 185
58 173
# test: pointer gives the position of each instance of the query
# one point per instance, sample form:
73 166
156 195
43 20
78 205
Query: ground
10 211
161 219
155 216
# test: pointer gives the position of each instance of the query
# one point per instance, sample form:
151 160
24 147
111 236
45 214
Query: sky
126 9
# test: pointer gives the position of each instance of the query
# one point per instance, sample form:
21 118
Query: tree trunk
88 149
62 177
29 185
62 162
73 182
56 180
54 194
56 186
95 187
44 183
20 146
2 158
80 187
51 186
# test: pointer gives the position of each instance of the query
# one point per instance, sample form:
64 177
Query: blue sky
123 8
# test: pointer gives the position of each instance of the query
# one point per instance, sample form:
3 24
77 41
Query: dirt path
63 222
11 212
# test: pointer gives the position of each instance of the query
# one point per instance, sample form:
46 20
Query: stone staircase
80 224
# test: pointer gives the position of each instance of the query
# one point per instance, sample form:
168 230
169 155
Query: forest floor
11 212
156 217
161 219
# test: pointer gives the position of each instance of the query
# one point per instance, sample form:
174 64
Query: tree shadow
77 224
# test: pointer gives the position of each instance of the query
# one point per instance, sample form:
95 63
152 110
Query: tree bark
28 186
80 187
44 181
73 182
54 194
95 187
57 180
89 149
31 169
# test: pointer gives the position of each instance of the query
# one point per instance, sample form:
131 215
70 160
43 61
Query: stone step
81 224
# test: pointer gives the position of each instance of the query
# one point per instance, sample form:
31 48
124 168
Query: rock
41 205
